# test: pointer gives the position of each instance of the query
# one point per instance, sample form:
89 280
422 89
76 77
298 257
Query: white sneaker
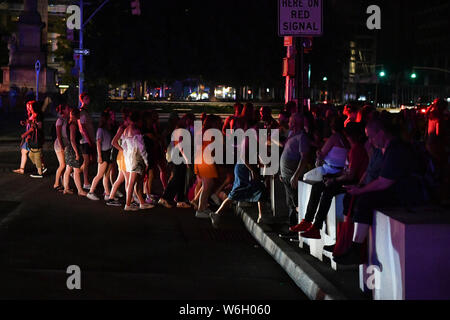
144 206
106 197
92 196
86 186
119 194
131 208
214 219
203 214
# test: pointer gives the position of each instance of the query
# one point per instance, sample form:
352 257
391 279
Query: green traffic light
413 75
325 79
382 73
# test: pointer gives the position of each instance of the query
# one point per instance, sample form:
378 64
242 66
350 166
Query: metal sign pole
81 71
37 67
299 74
302 76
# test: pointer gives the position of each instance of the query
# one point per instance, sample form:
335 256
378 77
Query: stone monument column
27 49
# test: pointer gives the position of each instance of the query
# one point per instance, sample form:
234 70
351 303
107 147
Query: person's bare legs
127 179
59 171
66 179
106 185
24 158
85 169
197 192
194 202
77 178
224 206
149 183
23 161
100 173
112 173
208 184
163 173
120 179
198 187
264 206
138 188
130 187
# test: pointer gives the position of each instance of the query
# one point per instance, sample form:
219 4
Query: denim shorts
25 146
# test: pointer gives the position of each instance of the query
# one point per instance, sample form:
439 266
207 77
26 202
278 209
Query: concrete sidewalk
315 278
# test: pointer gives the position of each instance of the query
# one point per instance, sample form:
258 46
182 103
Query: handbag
314 175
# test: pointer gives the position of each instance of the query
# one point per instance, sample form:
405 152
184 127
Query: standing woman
120 160
176 185
247 185
61 142
112 169
136 162
24 149
206 171
103 156
72 154
154 145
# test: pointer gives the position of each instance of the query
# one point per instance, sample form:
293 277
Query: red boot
311 233
302 226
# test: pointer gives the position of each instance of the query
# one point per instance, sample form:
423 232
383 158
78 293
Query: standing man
293 164
87 144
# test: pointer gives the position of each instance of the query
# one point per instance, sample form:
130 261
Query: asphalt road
153 254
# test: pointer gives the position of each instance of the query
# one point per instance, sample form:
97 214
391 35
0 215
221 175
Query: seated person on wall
293 163
395 186
322 193
372 172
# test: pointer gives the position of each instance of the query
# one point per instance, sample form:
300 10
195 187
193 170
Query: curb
309 280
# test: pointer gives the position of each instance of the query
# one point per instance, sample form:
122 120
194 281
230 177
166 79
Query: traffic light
382 73
135 7
413 75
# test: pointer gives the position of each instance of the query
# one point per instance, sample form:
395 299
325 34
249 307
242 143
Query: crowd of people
376 158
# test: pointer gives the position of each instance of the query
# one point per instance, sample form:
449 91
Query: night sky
236 42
